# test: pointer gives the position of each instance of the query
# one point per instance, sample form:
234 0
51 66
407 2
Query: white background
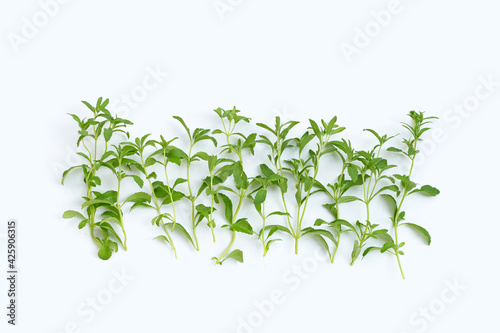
268 58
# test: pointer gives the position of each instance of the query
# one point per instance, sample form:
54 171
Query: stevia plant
216 177
114 213
278 143
301 168
157 188
268 179
104 202
198 135
95 133
375 182
337 192
229 120
167 153
406 187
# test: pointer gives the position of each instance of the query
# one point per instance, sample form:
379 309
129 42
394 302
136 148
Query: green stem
264 228
212 205
221 258
192 199
169 191
397 251
118 206
280 170
299 222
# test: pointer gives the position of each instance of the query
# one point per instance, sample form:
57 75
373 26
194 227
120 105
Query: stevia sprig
406 186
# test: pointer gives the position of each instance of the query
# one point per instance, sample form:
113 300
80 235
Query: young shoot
229 120
198 135
95 133
406 187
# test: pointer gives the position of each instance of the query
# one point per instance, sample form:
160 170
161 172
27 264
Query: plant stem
192 199
264 228
221 258
169 191
212 205
280 170
118 206
299 221
396 223
337 215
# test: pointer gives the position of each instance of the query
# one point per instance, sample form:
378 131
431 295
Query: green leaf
97 202
260 197
65 173
108 132
179 181
371 248
374 133
393 188
82 224
69 214
138 180
106 226
387 246
319 222
203 210
140 204
264 126
176 196
183 124
182 230
228 207
278 213
315 128
240 178
395 150
139 197
332 208
104 104
348 199
353 172
355 251
150 161
87 104
429 190
236 255
204 156
392 200
268 244
278 227
105 251
207 137
324 233
250 142
344 223
163 238
75 117
420 230
243 226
